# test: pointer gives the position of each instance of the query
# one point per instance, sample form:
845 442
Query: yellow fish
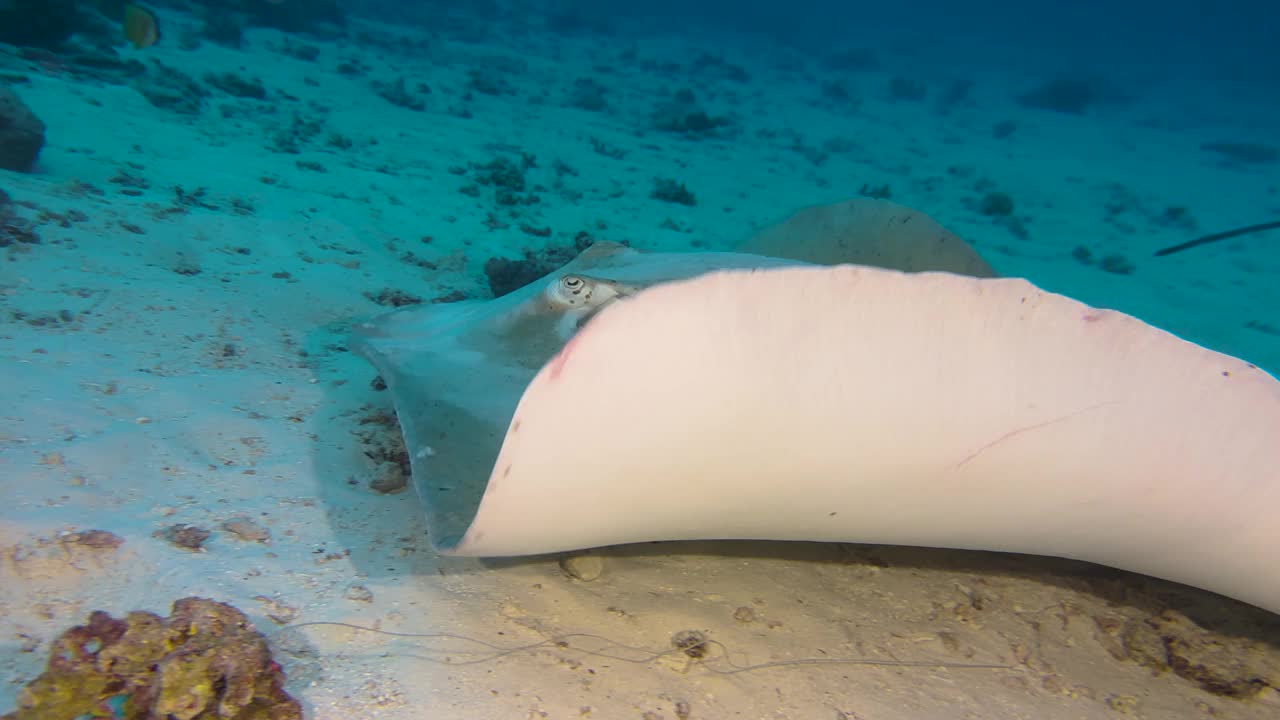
140 26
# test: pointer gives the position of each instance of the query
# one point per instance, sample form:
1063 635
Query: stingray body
636 397
456 371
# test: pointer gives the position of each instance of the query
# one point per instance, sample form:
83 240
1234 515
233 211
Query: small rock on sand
586 567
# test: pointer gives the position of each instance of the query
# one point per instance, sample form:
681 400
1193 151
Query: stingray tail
1247 230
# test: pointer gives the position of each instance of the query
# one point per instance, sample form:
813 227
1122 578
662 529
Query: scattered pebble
390 479
1123 704
95 539
1268 697
248 530
279 613
1117 264
584 567
692 643
187 537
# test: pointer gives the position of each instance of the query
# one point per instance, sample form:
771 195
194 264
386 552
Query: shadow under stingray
1196 634
1115 587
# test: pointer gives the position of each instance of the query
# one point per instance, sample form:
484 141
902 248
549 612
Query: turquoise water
199 199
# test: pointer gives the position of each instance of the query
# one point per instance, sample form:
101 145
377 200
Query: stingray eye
570 291
574 289
573 284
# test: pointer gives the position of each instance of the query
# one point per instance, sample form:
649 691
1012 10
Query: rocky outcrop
39 23
21 133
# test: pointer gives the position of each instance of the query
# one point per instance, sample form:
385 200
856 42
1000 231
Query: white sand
165 398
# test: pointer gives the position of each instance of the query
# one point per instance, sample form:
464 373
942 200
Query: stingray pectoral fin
865 405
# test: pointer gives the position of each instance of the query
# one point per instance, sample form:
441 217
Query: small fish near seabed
141 28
